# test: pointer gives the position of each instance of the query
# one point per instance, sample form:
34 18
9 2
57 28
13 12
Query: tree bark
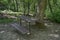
40 16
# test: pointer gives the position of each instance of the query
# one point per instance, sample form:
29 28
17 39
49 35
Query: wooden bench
20 28
28 19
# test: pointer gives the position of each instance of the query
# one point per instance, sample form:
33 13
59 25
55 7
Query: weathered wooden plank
20 28
28 19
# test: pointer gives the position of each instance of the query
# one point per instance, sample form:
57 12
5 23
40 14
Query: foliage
53 13
6 20
17 5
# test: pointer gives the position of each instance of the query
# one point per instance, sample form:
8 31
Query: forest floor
51 32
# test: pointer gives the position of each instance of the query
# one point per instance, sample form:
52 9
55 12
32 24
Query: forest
30 19
25 6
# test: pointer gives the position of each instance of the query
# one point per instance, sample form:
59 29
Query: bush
55 16
6 20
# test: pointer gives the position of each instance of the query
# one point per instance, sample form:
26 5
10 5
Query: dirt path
51 32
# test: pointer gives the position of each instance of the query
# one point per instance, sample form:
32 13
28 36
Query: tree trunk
16 5
40 16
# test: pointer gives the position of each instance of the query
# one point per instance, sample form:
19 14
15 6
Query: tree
40 16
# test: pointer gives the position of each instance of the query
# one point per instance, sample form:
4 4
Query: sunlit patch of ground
51 32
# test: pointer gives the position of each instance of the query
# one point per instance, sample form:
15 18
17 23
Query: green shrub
6 20
55 16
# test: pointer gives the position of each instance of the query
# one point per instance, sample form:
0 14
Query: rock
54 35
2 31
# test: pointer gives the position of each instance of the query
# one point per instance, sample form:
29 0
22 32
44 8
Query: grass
6 20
